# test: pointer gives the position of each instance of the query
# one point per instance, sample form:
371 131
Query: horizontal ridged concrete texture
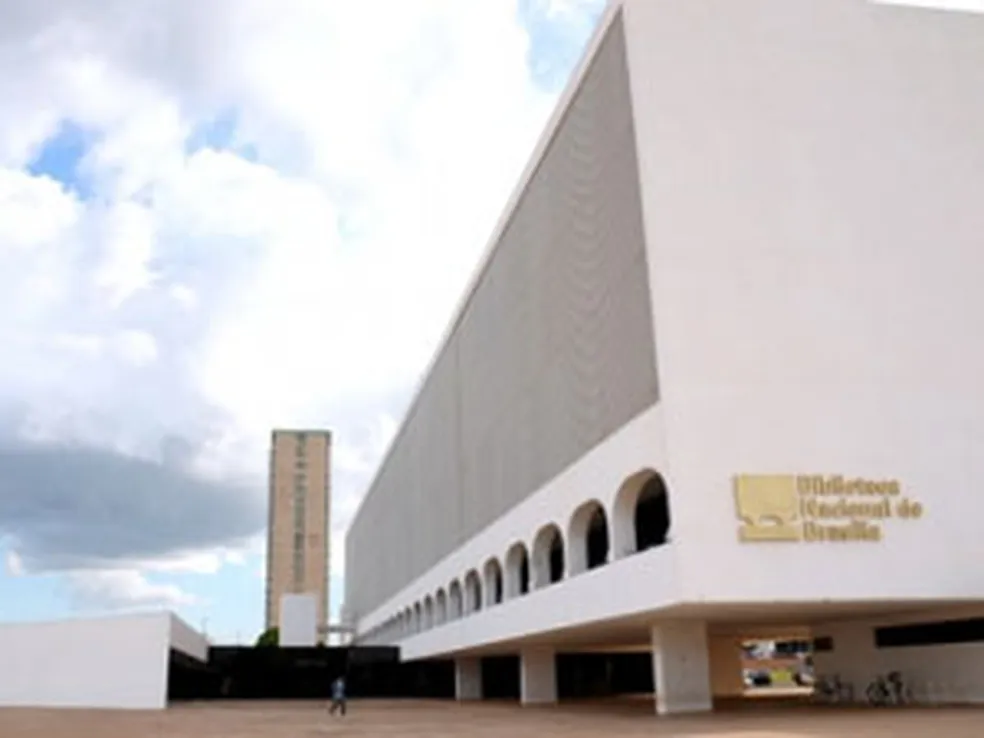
554 352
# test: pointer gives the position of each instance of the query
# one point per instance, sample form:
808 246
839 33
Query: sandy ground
437 720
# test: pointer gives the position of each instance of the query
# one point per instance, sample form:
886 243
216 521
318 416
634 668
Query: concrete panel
298 620
812 172
553 351
188 641
112 663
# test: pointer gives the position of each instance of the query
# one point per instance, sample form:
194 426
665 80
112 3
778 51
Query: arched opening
454 601
493 582
428 613
473 592
587 538
440 608
408 622
418 618
548 556
517 571
641 516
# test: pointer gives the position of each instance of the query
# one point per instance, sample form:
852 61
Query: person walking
338 697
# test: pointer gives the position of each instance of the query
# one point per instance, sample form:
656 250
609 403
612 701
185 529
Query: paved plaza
437 720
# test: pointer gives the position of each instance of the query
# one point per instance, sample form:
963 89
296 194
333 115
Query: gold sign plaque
817 508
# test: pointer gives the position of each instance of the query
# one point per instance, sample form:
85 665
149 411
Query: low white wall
948 674
114 663
187 640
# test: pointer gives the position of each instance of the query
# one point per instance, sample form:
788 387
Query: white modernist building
108 663
721 372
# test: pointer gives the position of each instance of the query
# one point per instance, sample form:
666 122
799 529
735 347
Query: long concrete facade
719 373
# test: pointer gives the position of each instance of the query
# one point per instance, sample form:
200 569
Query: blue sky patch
61 156
555 47
219 133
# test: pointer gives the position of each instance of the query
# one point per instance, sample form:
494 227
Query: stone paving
444 720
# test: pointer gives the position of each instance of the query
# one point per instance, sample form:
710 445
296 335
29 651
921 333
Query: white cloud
198 562
137 348
13 566
298 272
124 589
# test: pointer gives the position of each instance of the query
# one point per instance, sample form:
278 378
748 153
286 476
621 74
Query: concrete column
468 679
538 677
681 670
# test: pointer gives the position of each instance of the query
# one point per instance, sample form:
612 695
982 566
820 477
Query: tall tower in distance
299 519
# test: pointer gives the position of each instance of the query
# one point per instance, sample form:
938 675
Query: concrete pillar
681 670
468 679
538 677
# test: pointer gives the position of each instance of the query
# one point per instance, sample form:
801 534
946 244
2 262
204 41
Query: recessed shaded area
597 675
428 613
548 556
941 633
589 545
500 677
652 515
455 602
556 560
641 514
441 608
517 577
473 592
493 582
244 673
597 539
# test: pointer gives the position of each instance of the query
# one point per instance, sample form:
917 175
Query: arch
588 544
428 612
517 571
418 617
455 602
548 556
641 514
440 608
473 592
492 576
408 622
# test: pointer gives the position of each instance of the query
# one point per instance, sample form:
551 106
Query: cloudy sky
220 217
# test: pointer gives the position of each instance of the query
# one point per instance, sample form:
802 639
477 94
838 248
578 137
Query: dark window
931 634
823 644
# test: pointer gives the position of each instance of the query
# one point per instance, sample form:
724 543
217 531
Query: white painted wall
118 663
298 620
949 674
812 175
187 640
599 475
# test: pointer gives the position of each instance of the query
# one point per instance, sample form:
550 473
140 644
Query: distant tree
268 638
